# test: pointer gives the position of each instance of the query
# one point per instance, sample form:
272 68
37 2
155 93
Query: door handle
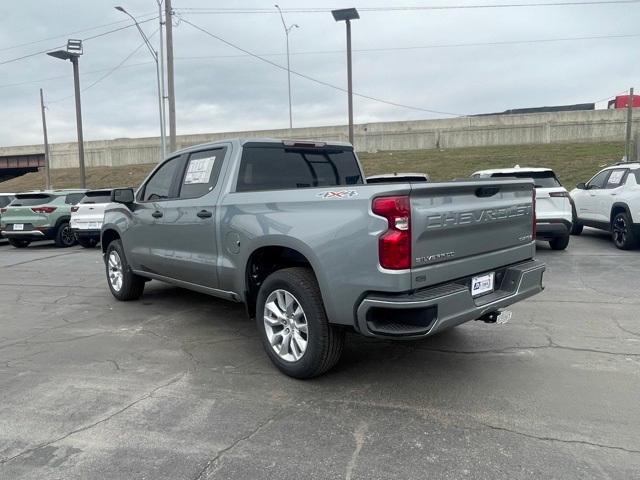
156 214
204 214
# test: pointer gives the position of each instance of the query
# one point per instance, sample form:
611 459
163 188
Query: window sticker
616 177
199 170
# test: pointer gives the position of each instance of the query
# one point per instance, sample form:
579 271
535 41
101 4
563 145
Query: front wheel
622 232
559 243
123 283
293 324
65 236
17 243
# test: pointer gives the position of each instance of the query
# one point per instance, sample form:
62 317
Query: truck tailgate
466 227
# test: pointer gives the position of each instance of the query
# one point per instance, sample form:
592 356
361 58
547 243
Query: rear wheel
123 283
559 243
88 242
576 226
293 324
65 236
16 242
622 232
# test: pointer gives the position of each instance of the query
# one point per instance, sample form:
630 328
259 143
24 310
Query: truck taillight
394 245
533 215
74 209
44 209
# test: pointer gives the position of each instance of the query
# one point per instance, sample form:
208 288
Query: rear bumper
86 233
41 233
434 309
551 228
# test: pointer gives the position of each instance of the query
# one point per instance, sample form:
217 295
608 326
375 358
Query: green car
42 215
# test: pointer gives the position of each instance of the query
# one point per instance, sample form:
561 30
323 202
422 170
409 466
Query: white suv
554 215
87 217
611 201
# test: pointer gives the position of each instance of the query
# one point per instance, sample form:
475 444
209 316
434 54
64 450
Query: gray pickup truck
292 230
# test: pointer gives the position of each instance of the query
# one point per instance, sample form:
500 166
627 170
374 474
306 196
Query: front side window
201 173
599 181
159 185
616 178
282 168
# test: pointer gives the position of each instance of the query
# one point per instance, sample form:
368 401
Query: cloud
227 91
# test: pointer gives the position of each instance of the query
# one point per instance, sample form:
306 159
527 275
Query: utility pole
46 144
170 84
627 143
76 84
163 97
349 81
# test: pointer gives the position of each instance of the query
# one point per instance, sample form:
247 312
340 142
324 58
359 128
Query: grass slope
573 162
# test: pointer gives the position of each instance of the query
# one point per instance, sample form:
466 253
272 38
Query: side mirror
123 195
581 186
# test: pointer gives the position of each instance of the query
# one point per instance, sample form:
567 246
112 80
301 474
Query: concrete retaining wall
489 130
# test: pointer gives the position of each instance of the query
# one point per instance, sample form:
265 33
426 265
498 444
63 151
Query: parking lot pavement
176 385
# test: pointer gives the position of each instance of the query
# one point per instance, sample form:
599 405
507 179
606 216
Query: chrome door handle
157 214
204 214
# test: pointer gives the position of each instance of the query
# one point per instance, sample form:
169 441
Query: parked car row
65 216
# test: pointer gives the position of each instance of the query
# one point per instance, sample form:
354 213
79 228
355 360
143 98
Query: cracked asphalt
176 385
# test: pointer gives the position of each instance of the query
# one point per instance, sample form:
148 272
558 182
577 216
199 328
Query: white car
87 216
611 201
554 215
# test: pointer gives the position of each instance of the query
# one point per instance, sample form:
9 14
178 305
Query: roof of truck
516 169
288 142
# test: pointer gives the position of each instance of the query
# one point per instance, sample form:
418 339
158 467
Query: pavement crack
560 440
359 437
94 424
39 259
204 472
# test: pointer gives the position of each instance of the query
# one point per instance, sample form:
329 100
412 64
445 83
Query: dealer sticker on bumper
482 284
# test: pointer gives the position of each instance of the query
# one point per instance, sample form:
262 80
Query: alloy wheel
285 325
620 231
115 272
68 237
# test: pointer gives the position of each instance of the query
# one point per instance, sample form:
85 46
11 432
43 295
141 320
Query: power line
360 50
315 80
217 11
63 35
4 62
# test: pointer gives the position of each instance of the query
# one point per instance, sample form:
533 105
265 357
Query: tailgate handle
487 191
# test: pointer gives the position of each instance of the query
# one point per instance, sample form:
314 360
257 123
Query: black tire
325 342
576 226
64 236
623 233
132 285
559 243
88 242
16 242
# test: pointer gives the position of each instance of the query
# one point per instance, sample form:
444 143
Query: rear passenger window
159 185
616 178
73 198
201 173
269 168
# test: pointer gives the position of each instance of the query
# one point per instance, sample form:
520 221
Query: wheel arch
106 237
619 207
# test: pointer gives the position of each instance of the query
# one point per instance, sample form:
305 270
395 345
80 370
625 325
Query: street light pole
627 142
346 15
159 78
73 51
162 89
287 30
76 84
47 166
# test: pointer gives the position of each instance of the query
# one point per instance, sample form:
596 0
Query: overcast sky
221 89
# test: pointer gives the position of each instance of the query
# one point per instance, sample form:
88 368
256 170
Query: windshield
545 179
98 196
30 199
